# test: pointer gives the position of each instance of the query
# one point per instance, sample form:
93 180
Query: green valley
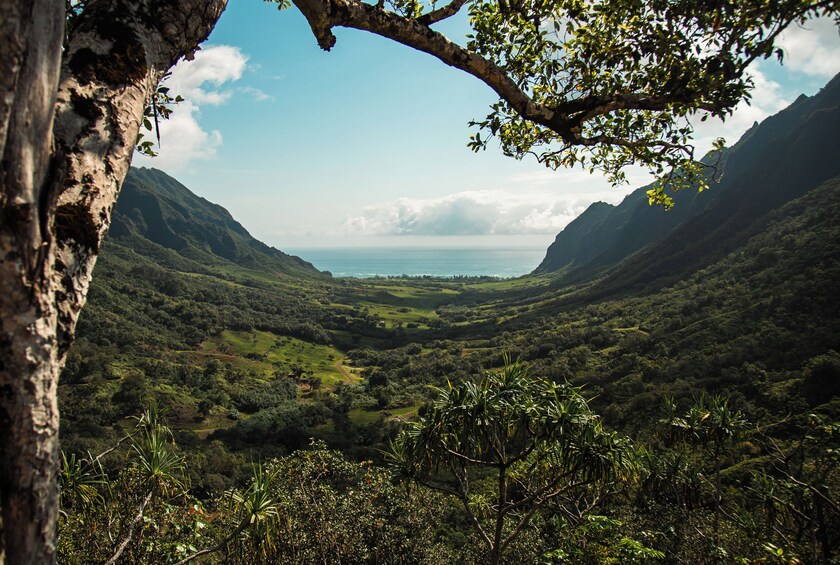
708 338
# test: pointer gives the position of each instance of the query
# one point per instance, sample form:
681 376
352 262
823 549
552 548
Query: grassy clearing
200 358
419 295
404 413
206 426
268 353
362 417
400 315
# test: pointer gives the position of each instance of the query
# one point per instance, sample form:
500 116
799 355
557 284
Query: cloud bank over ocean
481 212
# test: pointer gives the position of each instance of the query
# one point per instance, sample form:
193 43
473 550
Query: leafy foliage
313 506
160 107
253 361
539 437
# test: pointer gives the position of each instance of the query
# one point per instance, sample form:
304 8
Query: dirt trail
344 372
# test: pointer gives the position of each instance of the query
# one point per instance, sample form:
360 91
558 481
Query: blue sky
366 144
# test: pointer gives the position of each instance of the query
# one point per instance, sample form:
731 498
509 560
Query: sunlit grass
269 353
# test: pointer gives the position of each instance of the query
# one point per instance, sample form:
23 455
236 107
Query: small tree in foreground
711 423
509 445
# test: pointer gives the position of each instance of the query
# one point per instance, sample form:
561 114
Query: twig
131 528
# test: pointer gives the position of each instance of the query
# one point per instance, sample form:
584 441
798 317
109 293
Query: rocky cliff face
773 163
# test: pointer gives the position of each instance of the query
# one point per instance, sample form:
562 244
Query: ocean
366 262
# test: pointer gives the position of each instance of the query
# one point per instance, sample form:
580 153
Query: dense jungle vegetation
227 402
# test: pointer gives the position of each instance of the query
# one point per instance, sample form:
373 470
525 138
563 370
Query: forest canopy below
700 363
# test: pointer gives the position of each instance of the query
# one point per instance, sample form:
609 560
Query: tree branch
464 496
238 530
539 495
115 446
519 526
137 518
566 118
441 13
323 15
469 459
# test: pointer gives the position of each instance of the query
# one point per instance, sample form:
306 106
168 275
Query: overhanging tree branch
615 81
442 13
323 15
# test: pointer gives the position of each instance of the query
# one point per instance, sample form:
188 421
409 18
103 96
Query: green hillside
252 353
774 162
155 208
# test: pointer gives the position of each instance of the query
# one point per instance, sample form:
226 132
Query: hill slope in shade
156 211
775 162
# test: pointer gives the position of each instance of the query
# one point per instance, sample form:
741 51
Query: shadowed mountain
156 211
637 245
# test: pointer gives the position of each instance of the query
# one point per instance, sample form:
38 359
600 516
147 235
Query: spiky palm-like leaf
81 480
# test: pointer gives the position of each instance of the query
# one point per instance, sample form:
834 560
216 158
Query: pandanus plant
709 422
538 438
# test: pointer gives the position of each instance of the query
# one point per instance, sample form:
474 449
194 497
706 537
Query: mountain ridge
605 237
155 210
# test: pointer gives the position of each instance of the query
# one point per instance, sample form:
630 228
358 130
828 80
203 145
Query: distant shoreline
423 262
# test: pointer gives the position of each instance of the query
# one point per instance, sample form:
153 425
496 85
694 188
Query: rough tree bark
68 125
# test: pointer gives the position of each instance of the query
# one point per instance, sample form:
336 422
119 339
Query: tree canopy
603 84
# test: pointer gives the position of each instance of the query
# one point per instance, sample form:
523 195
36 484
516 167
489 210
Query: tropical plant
797 492
257 510
106 519
712 424
81 481
509 444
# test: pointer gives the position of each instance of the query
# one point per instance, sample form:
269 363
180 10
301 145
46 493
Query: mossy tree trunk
69 119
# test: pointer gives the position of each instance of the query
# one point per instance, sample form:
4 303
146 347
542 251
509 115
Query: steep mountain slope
779 160
154 210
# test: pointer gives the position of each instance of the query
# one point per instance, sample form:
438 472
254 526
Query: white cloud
200 82
480 212
813 48
256 93
183 140
212 67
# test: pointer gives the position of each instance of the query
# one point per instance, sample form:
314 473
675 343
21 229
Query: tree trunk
718 497
498 546
67 131
31 34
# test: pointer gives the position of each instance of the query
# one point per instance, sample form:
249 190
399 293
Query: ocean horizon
369 262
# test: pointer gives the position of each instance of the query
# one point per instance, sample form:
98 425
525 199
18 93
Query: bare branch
131 527
442 13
